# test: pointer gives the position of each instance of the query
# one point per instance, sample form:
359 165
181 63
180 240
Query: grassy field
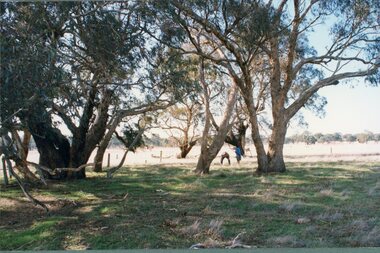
312 205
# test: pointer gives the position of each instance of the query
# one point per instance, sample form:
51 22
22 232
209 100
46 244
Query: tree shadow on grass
170 207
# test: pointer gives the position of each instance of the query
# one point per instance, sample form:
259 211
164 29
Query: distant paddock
299 152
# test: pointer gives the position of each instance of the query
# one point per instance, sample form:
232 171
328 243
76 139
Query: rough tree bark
203 165
262 160
186 148
209 152
98 160
53 147
22 147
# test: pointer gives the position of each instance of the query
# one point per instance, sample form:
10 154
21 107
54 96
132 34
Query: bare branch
332 80
69 123
26 193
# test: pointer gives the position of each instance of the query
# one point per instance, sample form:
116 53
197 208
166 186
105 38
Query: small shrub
286 241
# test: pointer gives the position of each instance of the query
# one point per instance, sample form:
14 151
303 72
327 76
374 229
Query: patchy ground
330 204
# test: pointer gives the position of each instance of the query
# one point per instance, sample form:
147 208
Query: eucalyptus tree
162 81
29 73
181 122
212 144
226 34
95 67
298 71
264 47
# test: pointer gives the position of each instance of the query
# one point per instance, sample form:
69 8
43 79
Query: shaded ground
332 204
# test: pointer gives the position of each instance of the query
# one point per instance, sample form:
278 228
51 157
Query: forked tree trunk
89 136
184 151
203 164
53 154
208 153
186 148
53 147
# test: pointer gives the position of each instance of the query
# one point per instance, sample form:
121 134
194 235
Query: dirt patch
18 213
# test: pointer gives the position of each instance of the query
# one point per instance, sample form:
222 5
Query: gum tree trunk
262 160
53 147
186 148
276 146
22 147
209 152
98 160
88 135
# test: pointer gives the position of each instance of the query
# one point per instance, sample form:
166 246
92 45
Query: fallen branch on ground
26 193
75 169
54 171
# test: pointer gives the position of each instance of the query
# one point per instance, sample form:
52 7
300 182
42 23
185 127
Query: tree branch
332 80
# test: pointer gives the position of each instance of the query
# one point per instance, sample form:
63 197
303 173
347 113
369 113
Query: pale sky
348 110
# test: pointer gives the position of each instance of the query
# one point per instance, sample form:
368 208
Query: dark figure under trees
225 155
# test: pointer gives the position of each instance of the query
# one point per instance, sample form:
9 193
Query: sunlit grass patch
320 205
40 235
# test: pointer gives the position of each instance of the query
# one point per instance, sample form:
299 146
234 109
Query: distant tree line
310 138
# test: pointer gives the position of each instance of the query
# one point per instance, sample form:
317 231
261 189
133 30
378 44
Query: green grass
311 205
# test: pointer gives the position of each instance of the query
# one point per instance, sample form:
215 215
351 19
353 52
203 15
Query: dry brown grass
215 228
374 191
363 233
326 192
329 217
191 230
287 241
290 206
